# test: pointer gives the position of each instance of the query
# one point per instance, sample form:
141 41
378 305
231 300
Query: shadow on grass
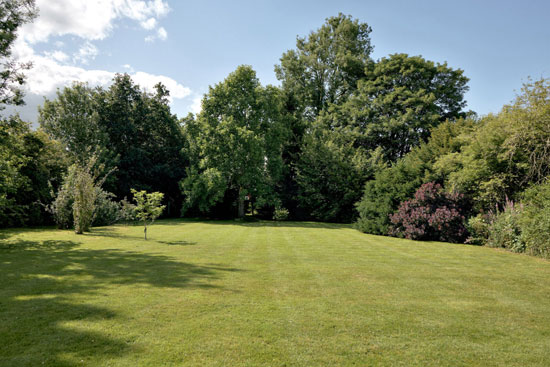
44 282
177 243
259 223
109 232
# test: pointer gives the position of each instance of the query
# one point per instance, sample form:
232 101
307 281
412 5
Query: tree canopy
13 14
237 140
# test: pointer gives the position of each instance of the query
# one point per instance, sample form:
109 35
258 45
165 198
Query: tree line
386 144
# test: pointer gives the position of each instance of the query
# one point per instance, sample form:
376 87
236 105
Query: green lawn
265 294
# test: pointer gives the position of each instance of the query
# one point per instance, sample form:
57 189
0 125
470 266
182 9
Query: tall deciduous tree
506 153
325 67
146 137
31 165
125 127
398 102
322 70
13 14
73 119
237 140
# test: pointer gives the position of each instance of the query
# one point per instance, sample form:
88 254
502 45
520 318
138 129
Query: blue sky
191 45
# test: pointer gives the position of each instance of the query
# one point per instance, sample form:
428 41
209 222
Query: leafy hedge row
480 181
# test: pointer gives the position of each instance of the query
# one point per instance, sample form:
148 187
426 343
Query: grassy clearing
265 294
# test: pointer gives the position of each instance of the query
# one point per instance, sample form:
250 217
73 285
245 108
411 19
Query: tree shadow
177 243
108 232
259 223
43 285
28 245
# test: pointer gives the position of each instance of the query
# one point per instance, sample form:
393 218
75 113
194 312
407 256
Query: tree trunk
145 230
241 204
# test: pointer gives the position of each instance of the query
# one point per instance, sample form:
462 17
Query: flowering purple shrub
433 214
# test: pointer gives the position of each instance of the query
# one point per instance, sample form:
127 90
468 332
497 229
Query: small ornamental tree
84 194
432 214
148 207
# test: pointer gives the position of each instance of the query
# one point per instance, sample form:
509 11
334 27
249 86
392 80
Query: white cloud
148 81
196 106
57 55
149 23
85 53
161 33
90 19
48 75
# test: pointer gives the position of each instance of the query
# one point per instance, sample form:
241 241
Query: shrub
432 214
102 211
535 220
62 208
127 211
280 214
107 211
505 230
479 228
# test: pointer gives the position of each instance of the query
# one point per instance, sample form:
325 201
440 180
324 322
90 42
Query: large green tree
325 66
397 104
125 127
322 70
236 143
73 118
506 153
330 178
13 14
146 137
31 166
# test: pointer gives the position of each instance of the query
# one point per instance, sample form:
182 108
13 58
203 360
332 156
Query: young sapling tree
148 207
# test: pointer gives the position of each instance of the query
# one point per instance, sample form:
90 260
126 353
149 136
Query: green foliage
520 228
505 230
535 220
236 144
84 196
11 161
397 183
31 166
325 67
73 119
148 207
397 104
126 128
329 178
127 211
107 210
202 190
62 206
322 70
280 214
506 153
81 199
479 228
13 14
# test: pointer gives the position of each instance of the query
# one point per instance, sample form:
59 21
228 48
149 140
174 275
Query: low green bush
505 231
107 211
479 228
280 214
535 220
